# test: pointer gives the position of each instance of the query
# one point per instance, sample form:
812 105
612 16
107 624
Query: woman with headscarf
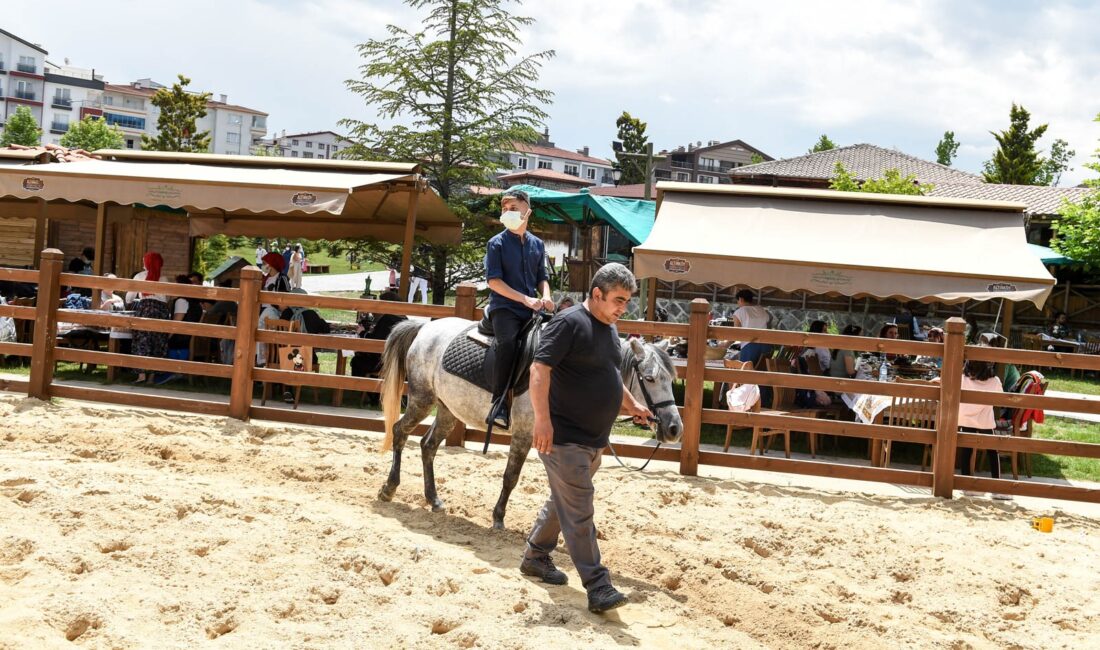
149 305
274 280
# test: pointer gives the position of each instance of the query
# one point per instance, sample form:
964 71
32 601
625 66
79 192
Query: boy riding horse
515 272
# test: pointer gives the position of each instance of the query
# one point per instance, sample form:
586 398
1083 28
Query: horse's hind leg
444 422
419 406
517 455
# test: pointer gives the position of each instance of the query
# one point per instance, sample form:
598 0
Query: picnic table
873 409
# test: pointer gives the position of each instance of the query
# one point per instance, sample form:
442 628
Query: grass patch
1060 380
337 265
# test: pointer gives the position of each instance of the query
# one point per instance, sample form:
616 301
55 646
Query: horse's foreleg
418 408
517 455
444 422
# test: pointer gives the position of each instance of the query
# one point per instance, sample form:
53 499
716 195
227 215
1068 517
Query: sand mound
125 528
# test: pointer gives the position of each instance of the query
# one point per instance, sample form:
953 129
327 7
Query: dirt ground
128 528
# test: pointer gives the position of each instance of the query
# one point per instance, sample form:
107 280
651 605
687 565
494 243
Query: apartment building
712 163
22 75
315 144
543 158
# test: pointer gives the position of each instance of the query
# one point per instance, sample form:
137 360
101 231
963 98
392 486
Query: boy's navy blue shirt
520 264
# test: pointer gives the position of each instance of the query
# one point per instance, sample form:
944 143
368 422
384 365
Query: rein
652 406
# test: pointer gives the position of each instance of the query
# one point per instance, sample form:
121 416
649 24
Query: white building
22 75
233 129
315 144
71 94
543 155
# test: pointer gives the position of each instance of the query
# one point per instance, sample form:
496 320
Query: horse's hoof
498 525
438 506
386 494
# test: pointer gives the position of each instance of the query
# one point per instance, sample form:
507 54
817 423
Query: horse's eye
650 378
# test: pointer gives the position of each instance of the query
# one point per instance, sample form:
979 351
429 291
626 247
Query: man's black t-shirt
586 388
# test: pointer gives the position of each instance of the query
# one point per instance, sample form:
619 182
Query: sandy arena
124 528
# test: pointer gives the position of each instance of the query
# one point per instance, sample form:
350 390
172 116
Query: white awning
842 243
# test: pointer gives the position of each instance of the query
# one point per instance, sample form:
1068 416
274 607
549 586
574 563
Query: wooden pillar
947 420
40 225
45 323
244 352
100 238
651 300
1009 314
406 248
465 307
693 387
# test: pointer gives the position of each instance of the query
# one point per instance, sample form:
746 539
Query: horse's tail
393 373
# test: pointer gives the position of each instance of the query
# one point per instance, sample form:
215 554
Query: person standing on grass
577 391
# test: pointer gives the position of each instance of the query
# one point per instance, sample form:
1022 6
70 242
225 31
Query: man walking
577 391
515 271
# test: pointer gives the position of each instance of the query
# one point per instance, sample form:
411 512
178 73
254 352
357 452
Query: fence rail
944 439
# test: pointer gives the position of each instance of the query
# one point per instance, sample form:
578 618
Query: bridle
651 405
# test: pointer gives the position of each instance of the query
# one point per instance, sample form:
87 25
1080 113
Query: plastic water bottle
883 372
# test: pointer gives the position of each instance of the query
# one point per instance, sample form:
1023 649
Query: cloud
775 74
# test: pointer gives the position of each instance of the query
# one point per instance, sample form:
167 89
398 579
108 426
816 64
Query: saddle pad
469 359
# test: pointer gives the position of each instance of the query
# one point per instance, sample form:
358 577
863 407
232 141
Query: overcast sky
775 74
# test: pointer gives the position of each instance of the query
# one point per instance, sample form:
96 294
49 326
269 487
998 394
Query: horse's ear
661 345
638 347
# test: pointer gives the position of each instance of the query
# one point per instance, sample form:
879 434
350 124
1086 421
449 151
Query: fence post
465 306
45 323
244 347
693 387
947 420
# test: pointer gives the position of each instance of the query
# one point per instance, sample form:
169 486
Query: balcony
25 94
26 67
59 127
682 164
62 102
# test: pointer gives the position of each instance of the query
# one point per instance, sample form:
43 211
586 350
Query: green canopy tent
1049 256
632 218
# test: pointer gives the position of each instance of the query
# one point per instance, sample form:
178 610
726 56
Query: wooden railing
243 374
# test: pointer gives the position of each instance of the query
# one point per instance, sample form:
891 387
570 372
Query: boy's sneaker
544 569
604 598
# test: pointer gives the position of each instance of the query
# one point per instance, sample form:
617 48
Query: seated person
824 356
378 327
749 314
843 362
565 303
978 418
890 331
108 300
1059 327
906 317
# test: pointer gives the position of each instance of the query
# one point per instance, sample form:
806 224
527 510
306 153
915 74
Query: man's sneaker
604 598
544 569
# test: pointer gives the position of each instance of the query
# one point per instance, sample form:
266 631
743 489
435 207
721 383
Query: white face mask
512 220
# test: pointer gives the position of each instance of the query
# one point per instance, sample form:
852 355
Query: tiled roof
1040 199
302 135
233 107
863 161
128 89
555 152
548 175
53 152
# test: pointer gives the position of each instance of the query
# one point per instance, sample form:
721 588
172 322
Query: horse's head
647 369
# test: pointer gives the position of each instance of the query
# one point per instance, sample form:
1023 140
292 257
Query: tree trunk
439 275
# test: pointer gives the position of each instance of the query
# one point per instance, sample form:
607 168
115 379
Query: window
545 164
234 119
522 164
125 121
590 173
321 156
293 154
309 144
62 97
294 143
27 64
684 177
259 122
60 122
129 143
24 90
705 179
232 138
572 170
308 154
1 61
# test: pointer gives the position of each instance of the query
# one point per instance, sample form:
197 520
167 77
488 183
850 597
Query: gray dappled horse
414 350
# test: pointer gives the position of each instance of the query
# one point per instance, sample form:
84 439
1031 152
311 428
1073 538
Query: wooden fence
944 438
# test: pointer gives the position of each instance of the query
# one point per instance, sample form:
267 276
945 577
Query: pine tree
632 135
179 110
460 94
92 133
947 148
1016 161
22 129
823 144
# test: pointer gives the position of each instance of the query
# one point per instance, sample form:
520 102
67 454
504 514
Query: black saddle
472 355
